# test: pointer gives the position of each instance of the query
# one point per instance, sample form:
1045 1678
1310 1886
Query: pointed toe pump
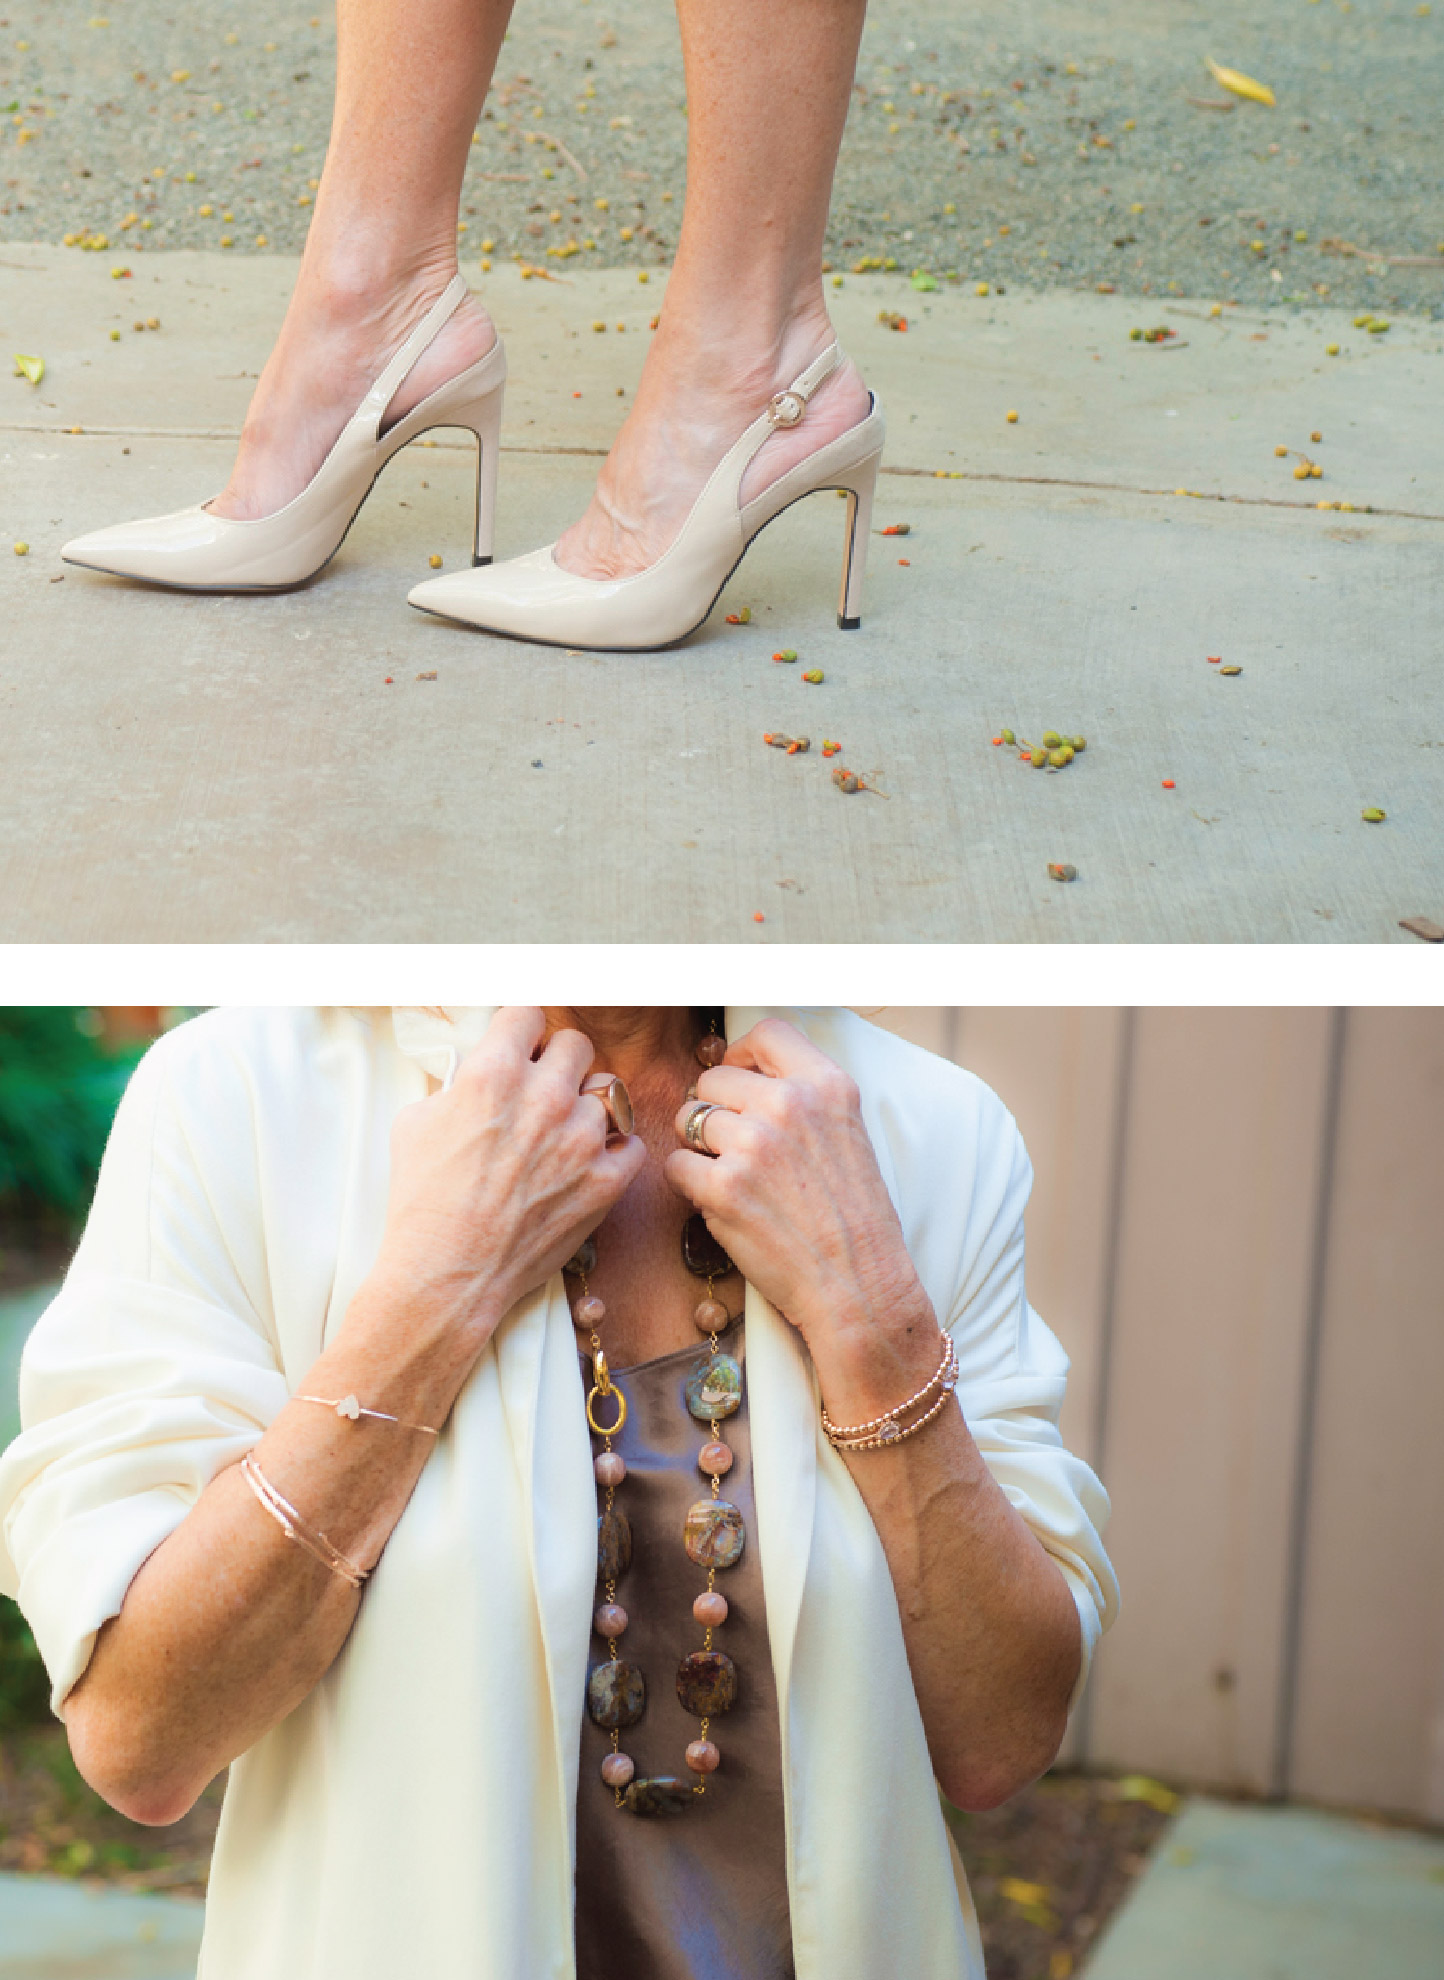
533 598
194 550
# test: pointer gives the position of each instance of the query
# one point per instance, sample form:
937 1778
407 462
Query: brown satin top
699 1895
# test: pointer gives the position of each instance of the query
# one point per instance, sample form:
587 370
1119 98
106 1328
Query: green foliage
24 1687
59 1088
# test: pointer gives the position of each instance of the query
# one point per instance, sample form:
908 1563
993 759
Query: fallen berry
786 655
1061 871
1012 418
1373 816
1168 784
844 779
1230 670
813 677
434 561
1009 737
22 549
898 529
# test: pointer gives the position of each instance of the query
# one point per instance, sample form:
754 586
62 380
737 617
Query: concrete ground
53 1929
283 769
1247 1893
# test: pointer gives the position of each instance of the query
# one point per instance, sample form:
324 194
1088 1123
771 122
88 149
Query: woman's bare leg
411 77
768 86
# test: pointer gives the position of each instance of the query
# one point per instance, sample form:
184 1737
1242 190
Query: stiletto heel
194 550
485 423
861 485
532 597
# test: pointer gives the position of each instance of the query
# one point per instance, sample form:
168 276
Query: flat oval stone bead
714 1388
583 1259
714 1533
614 1544
618 1769
703 1757
659 1794
710 1609
588 1313
715 1460
616 1695
610 1620
610 1467
711 1050
707 1683
710 1317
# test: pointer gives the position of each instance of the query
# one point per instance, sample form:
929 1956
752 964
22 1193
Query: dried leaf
1018 1891
1241 85
32 368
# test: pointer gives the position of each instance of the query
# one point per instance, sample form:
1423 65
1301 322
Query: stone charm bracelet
885 1430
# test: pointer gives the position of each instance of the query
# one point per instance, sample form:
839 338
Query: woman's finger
693 1177
777 1048
514 1033
721 1130
566 1059
734 1087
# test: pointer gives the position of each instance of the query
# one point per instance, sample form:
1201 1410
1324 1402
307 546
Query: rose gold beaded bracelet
882 1431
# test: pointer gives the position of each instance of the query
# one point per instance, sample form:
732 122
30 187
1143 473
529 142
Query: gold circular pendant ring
605 1429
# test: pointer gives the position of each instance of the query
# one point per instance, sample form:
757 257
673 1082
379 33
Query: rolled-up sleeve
150 1373
1013 1374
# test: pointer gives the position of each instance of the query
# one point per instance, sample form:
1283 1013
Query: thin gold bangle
295 1528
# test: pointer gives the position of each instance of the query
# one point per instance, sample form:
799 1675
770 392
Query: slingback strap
786 408
373 406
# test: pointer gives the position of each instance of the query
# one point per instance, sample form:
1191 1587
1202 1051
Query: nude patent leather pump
533 598
194 550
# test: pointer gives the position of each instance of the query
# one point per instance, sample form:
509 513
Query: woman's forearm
230 1624
991 1628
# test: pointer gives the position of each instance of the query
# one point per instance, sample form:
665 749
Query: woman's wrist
407 1349
875 1352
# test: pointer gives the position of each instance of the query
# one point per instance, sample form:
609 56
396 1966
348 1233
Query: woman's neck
630 1041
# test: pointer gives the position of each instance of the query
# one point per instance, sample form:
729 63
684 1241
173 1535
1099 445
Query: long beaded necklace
713 1532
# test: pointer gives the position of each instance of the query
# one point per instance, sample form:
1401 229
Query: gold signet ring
614 1097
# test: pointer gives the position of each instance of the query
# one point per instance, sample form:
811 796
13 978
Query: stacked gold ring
694 1130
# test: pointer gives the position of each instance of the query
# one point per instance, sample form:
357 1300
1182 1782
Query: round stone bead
617 1770
710 1609
703 1757
715 1460
610 1467
711 1050
588 1313
610 1620
710 1317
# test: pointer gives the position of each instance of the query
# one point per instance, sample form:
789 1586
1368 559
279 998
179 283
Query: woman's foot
686 416
334 343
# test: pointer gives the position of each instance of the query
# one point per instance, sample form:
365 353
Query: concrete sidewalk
1250 1893
53 1929
212 769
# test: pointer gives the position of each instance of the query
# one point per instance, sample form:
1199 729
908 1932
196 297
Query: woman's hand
496 1180
795 1195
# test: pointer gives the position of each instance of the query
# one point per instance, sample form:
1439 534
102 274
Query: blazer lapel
782 1404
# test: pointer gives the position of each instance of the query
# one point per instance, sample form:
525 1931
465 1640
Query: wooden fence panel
1258 1373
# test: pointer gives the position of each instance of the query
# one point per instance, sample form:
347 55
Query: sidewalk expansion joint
911 473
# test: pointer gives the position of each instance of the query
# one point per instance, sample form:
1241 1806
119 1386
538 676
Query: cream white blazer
415 1814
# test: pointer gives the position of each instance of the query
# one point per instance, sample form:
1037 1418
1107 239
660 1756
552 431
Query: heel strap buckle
786 408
